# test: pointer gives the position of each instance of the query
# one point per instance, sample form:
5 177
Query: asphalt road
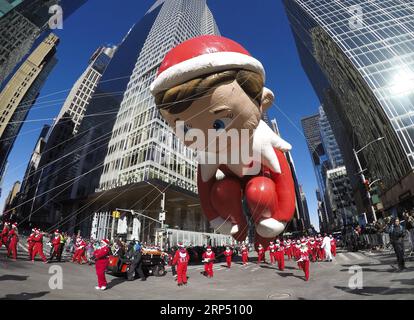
328 280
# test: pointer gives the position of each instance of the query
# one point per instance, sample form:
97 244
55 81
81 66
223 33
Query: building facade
49 182
124 156
21 91
340 196
359 58
21 24
25 198
301 219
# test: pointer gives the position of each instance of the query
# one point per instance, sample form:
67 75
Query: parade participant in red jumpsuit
272 249
288 249
81 252
228 253
208 258
313 251
260 253
38 246
76 251
304 259
181 259
321 251
4 237
212 84
56 245
296 249
101 262
245 254
13 240
333 245
30 243
280 255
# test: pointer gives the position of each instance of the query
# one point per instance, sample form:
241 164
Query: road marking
343 256
23 247
356 256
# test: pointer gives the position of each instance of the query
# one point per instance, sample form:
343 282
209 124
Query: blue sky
261 26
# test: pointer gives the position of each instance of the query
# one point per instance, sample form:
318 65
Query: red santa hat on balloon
201 56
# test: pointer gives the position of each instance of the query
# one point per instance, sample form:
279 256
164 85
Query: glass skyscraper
123 143
24 25
142 145
328 140
359 56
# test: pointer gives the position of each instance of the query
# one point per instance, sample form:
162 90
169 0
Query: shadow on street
370 291
25 295
10 277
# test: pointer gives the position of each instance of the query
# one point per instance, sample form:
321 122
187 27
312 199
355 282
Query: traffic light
116 214
367 187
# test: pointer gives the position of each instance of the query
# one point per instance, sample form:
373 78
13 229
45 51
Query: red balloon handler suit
208 258
101 262
30 243
5 235
13 240
228 253
304 259
181 259
38 246
245 254
56 245
260 253
280 255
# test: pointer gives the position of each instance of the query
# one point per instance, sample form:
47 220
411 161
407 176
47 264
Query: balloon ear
267 99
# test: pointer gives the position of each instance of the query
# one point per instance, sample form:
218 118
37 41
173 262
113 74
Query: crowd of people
82 251
304 251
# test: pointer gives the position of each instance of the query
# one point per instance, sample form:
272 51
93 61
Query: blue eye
219 124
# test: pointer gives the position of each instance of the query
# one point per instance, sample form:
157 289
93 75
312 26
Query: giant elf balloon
209 87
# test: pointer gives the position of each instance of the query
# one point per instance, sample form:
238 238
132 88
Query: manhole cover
278 296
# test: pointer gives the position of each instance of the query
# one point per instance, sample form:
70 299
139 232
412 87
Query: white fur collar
264 139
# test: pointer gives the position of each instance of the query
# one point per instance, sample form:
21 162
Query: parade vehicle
153 263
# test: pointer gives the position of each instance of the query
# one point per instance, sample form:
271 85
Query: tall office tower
9 213
306 217
312 131
8 5
21 92
359 57
329 142
22 23
143 146
339 193
301 220
123 96
322 214
27 189
55 157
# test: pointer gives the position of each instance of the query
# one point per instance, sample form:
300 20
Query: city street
23 280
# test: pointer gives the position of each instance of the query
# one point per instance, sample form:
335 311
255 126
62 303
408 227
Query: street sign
162 216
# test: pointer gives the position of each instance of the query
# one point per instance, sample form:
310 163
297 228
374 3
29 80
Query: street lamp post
162 216
361 171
